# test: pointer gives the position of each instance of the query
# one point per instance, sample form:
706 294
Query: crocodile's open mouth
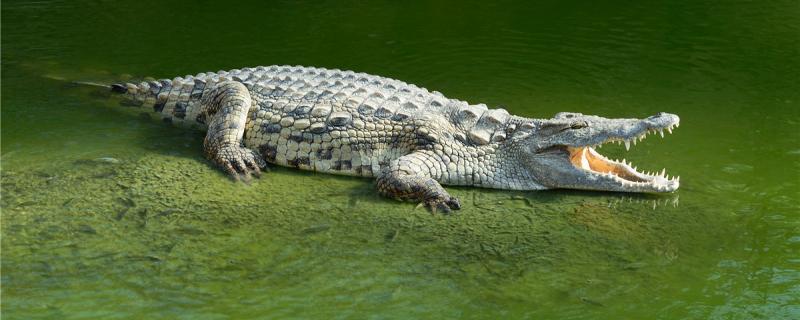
621 171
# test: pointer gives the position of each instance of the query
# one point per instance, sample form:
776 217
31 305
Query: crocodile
411 140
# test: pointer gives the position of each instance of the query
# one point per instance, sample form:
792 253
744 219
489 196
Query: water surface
108 214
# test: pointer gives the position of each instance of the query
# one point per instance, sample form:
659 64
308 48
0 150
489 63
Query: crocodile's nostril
658 115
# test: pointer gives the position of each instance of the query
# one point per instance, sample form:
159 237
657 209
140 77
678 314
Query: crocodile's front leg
225 107
410 178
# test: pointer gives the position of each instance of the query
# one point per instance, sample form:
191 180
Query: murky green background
108 214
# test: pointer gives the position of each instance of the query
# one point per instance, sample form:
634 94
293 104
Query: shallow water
107 214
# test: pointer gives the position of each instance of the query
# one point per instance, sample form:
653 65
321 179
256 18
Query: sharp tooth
669 129
634 141
663 171
584 160
677 124
627 144
661 131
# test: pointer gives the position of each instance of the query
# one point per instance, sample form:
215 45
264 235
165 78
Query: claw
231 171
240 163
454 204
444 204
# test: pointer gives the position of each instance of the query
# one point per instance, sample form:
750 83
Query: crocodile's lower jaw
620 173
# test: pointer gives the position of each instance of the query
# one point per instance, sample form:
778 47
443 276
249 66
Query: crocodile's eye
579 125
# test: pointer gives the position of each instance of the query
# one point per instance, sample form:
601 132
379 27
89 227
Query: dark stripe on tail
119 88
175 100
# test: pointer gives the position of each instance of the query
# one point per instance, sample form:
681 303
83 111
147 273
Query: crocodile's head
561 153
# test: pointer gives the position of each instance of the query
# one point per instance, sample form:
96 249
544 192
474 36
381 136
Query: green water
156 232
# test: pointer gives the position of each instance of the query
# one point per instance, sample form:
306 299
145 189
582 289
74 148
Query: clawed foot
444 204
239 162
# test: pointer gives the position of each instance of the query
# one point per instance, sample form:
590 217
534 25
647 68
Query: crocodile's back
335 121
328 120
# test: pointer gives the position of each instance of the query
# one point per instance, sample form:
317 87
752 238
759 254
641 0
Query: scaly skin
410 139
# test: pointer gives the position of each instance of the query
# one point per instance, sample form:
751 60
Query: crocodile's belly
355 148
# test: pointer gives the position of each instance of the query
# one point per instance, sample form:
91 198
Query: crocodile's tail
75 83
91 84
174 100
144 94
170 100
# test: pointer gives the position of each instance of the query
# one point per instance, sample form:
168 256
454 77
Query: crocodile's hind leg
409 178
225 109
